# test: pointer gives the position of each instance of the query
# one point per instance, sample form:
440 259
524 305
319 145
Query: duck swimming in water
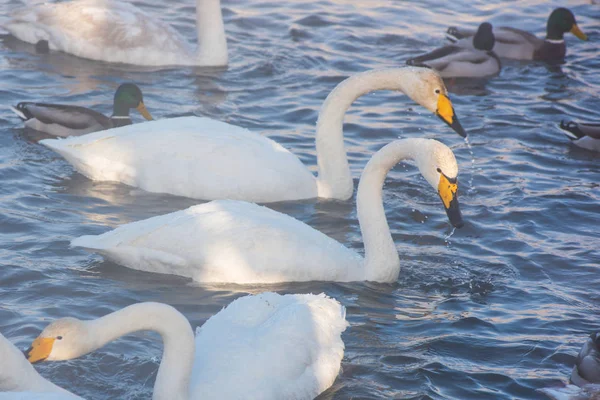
585 377
586 136
521 45
454 61
587 364
67 120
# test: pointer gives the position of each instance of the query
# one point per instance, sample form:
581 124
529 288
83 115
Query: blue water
496 310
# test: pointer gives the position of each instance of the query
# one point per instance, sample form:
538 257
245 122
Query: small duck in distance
586 136
521 45
68 120
452 61
587 364
585 377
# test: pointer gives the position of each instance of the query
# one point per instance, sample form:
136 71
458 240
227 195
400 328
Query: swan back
117 31
113 31
228 241
190 156
271 346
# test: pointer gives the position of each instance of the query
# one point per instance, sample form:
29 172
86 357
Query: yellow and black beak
446 113
577 32
448 191
40 349
142 109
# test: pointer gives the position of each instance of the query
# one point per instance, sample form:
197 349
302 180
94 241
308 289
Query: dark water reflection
495 311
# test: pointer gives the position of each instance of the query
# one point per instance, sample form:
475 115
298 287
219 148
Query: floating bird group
273 346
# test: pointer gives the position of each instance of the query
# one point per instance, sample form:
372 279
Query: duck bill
448 191
577 32
40 349
446 113
142 109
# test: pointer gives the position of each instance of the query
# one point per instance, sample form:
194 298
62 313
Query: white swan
207 159
117 31
234 241
266 346
20 381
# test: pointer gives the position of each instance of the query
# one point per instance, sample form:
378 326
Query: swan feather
191 156
228 241
276 347
105 30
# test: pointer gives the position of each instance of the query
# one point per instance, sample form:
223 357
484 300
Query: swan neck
173 378
382 263
212 42
334 177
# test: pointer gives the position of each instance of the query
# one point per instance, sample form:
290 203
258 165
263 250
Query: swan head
63 339
438 166
428 90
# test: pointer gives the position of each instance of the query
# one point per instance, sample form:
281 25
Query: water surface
495 311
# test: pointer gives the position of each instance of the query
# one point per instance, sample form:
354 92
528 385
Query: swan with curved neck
19 380
117 31
240 242
207 159
243 343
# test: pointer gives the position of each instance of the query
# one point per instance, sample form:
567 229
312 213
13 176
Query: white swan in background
206 159
266 346
117 31
20 381
240 242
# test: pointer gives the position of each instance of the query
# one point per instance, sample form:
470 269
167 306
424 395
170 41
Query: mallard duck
117 31
585 377
587 364
453 61
65 120
586 136
522 45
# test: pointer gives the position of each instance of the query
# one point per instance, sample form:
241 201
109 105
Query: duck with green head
521 45
67 120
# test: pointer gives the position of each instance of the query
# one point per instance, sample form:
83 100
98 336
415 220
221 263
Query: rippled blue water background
495 311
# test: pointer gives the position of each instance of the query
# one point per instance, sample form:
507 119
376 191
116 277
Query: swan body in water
119 32
207 159
241 242
266 346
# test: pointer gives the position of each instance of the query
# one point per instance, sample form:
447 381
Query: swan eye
59 337
439 170
437 91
